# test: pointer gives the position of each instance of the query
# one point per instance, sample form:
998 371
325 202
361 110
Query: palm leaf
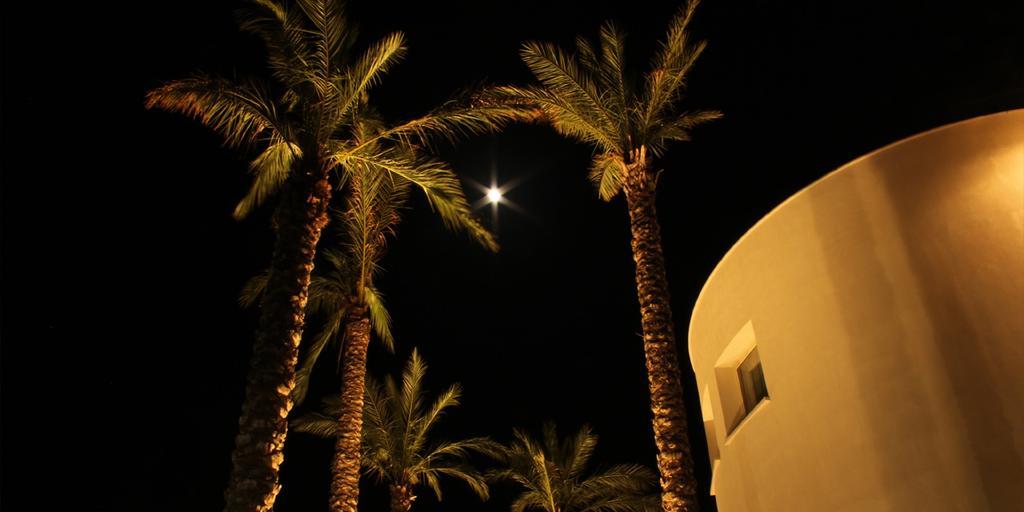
329 331
379 317
438 183
242 114
282 31
315 423
367 71
563 78
607 173
252 291
565 118
271 169
612 74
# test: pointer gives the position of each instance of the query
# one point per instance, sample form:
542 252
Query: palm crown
588 96
553 473
397 423
314 119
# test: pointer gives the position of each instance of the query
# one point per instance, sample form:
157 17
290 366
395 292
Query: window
740 378
752 380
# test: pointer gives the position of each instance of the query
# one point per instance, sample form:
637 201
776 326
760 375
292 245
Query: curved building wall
886 304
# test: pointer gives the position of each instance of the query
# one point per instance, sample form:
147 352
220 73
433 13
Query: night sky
124 350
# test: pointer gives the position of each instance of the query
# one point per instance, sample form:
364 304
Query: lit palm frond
607 173
282 30
531 103
328 332
560 74
243 114
455 119
552 473
318 424
354 81
270 170
252 290
438 183
612 75
397 429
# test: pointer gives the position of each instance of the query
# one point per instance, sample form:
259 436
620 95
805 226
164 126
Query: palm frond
529 501
608 174
537 104
410 397
367 71
457 450
672 63
551 472
430 477
271 168
315 423
341 33
438 183
252 291
379 317
561 76
456 119
316 13
623 479
328 332
467 475
612 75
678 128
449 398
672 53
378 424
282 31
241 113
587 55
579 449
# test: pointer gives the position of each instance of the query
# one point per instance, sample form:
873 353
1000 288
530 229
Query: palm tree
343 293
587 96
306 132
554 476
396 431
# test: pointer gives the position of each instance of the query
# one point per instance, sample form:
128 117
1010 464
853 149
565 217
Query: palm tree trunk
345 468
263 425
401 497
675 463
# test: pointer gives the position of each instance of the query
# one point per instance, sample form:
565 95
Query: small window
740 378
752 380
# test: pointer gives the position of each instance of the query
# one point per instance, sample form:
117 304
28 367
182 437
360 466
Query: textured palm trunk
345 468
401 497
263 425
675 463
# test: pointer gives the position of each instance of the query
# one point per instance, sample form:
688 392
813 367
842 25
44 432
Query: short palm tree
587 96
305 129
396 429
553 474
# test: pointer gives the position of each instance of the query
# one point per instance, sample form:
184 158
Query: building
861 348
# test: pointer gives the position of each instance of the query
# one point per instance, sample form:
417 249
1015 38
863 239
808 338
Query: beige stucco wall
887 304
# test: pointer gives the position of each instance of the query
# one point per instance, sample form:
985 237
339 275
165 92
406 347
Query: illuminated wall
886 306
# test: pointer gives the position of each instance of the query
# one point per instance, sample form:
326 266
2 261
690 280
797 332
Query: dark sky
124 351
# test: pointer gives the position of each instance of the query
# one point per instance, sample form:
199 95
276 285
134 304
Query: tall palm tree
588 96
305 131
344 295
553 473
396 430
